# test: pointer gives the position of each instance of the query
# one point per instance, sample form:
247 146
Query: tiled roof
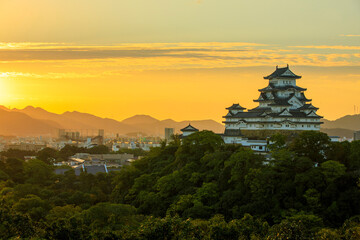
260 109
303 98
95 169
308 107
189 128
272 88
259 114
236 106
280 102
282 73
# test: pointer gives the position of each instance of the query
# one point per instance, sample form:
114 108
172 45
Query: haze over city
175 59
180 119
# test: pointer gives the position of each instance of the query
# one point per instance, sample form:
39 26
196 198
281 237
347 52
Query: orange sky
175 59
178 80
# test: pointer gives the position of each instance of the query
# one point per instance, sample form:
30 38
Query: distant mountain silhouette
19 124
140 120
4 108
341 132
351 122
151 125
144 124
32 121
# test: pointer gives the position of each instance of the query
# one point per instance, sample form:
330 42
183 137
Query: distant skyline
186 59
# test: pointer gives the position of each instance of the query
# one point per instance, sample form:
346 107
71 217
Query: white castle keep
283 107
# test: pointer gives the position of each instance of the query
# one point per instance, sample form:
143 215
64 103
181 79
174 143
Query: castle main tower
283 107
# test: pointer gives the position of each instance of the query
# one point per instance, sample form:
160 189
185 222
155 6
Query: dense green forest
199 188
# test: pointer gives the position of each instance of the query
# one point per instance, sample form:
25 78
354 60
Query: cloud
50 60
52 52
349 35
339 47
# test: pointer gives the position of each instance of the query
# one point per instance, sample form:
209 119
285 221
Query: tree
62 212
109 216
327 234
101 149
241 162
34 206
16 153
14 224
47 155
311 144
14 168
277 142
332 170
354 162
38 172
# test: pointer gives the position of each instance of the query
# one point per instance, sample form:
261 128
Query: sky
183 59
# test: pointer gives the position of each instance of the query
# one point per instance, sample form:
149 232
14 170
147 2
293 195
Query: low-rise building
356 135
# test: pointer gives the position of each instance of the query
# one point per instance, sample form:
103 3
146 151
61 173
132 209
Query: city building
282 108
168 133
335 138
26 146
356 135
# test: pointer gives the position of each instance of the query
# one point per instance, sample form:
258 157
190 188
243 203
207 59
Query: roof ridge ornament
284 72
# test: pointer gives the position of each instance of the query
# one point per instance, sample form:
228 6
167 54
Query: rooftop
189 128
282 73
236 106
272 88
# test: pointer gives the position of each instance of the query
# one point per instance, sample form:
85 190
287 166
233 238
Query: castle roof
189 128
303 98
282 73
236 106
276 101
271 88
308 107
262 112
280 102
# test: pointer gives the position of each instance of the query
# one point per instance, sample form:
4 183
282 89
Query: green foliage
354 162
32 205
199 188
14 224
47 155
19 154
38 172
332 170
311 144
277 142
137 151
327 234
70 150
14 168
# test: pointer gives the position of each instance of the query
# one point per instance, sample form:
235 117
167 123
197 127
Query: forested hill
197 189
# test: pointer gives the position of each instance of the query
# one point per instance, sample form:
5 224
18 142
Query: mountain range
32 121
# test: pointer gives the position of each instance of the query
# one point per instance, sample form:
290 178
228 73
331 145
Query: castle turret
186 131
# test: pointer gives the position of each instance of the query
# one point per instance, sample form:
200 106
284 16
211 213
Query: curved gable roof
282 73
189 128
